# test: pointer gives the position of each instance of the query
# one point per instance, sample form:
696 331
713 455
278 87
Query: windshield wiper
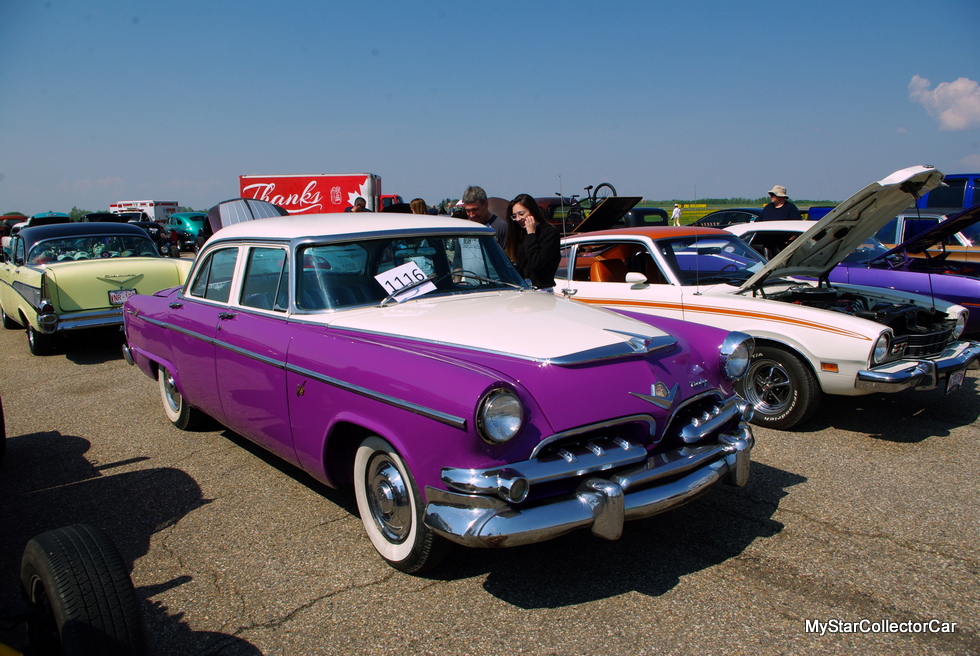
411 286
469 274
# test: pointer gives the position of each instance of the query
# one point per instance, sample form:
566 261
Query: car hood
939 233
607 213
834 237
529 325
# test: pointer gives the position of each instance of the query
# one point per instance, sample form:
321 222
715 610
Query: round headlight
735 353
881 349
500 416
960 324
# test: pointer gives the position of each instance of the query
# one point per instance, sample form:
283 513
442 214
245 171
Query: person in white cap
779 207
675 216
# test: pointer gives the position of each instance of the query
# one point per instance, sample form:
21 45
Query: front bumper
923 374
647 485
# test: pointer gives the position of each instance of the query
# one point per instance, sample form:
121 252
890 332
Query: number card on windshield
402 277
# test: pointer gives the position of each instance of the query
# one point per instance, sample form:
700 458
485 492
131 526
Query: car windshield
90 247
370 271
707 259
972 233
869 250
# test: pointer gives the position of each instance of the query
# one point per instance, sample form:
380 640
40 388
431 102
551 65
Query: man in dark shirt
477 209
779 207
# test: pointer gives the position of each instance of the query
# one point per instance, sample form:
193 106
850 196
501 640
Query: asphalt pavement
857 535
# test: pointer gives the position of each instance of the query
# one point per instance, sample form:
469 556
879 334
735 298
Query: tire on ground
781 388
391 509
77 579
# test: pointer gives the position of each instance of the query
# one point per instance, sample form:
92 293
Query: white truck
156 210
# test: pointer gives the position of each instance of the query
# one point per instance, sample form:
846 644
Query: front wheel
178 412
391 509
40 343
80 586
781 388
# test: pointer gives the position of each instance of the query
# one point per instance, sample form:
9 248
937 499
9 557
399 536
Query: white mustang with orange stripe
810 337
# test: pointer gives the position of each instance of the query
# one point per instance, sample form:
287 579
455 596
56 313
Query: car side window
264 285
19 251
914 227
213 279
951 194
611 261
886 235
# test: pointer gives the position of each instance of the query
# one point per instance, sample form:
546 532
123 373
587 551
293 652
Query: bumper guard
648 486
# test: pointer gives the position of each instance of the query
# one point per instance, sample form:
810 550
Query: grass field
692 214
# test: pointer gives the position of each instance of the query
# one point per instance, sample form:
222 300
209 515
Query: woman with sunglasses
535 244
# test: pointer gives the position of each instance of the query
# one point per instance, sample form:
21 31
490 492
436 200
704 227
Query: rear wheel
40 343
391 509
781 388
178 412
80 586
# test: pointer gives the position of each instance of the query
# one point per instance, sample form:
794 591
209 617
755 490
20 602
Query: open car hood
236 210
606 213
818 250
939 233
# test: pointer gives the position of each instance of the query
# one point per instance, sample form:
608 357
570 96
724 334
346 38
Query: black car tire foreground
80 586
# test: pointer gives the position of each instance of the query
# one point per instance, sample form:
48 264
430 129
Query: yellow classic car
73 276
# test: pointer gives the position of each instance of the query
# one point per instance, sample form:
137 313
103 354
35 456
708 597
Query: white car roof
344 223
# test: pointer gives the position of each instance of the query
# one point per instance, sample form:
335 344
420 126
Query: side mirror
635 277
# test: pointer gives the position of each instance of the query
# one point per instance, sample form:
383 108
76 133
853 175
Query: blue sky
172 100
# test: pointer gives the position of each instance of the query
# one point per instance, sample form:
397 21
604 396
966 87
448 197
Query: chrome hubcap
388 497
173 396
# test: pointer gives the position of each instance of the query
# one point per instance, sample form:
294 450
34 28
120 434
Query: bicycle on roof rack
572 214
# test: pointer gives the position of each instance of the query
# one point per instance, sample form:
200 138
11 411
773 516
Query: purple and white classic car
926 263
403 355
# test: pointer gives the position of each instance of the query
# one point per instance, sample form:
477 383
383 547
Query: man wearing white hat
779 207
675 216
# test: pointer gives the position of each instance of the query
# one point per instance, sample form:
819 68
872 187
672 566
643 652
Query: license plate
119 296
955 380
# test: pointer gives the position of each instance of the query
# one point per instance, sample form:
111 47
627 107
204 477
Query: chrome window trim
442 417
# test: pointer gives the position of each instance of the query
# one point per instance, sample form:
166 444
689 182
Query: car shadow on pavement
47 482
650 558
906 417
93 346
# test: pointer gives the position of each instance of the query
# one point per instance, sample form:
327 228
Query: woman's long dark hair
515 233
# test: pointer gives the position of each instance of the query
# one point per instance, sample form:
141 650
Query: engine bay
902 318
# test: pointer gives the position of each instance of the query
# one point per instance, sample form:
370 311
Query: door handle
227 315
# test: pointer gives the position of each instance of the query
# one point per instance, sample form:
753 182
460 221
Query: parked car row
405 357
812 337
